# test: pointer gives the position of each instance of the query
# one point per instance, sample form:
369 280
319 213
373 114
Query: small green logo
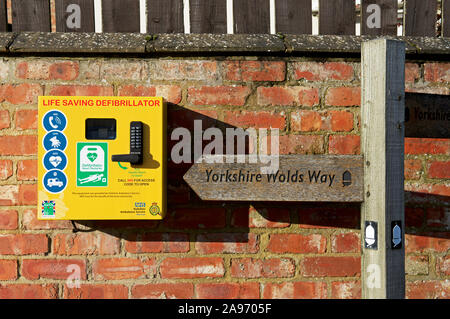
92 164
92 156
155 210
48 208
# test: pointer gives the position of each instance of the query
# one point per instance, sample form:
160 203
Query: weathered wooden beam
165 16
251 16
208 16
293 16
445 32
31 15
3 17
120 15
382 141
420 18
300 178
337 17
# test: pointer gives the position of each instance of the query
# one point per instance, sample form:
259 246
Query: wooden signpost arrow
300 178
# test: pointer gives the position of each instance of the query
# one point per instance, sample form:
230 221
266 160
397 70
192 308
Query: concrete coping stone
6 39
86 43
197 44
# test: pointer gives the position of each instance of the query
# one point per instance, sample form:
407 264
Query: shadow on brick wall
189 219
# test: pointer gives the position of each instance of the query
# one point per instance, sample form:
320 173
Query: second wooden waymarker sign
300 178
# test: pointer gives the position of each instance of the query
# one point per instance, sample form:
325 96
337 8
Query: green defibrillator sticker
92 164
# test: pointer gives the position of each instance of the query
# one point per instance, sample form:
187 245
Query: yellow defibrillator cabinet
101 158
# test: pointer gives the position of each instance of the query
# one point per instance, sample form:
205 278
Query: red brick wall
216 249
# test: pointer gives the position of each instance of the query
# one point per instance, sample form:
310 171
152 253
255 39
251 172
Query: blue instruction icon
54 181
54 121
55 140
55 160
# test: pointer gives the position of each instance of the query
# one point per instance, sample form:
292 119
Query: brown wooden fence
418 17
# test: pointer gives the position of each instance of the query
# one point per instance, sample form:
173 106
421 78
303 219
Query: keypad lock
136 145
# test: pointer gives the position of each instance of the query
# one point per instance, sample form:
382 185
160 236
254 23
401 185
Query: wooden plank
3 17
380 19
121 16
382 141
165 16
75 16
445 18
251 16
427 115
293 16
300 178
420 18
337 17
208 16
31 15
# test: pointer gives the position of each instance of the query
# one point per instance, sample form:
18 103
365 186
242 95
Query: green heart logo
91 156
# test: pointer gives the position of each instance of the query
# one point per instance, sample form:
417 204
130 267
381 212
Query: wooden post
383 221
